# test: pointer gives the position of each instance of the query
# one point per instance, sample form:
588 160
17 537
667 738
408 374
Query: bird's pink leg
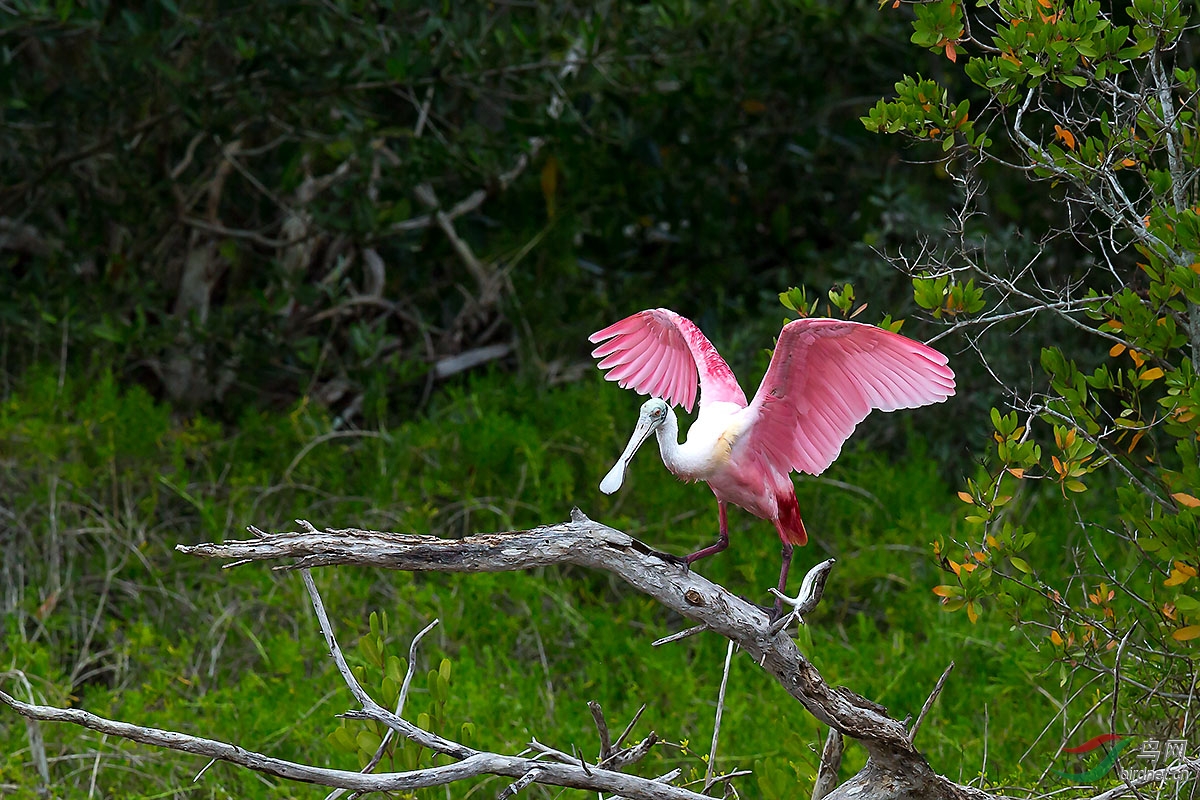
783 575
722 542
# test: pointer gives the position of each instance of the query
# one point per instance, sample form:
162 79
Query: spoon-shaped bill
616 476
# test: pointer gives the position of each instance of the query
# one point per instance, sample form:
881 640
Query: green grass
105 615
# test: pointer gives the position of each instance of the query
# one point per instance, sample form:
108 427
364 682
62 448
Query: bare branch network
894 769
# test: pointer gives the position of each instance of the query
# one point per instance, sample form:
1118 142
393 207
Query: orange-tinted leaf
966 498
1116 350
45 609
1056 637
1137 357
1016 472
1185 499
946 591
952 54
1128 162
1064 136
954 565
973 612
754 106
1186 569
895 3
1154 373
1168 610
1186 634
1177 578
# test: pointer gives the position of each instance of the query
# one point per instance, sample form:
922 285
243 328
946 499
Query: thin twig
937 689
601 729
831 762
629 727
675 637
712 751
390 734
519 784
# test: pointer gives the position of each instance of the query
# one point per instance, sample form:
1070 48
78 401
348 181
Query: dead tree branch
893 761
895 770
831 762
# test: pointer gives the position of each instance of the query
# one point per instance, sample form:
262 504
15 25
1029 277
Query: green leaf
368 741
369 646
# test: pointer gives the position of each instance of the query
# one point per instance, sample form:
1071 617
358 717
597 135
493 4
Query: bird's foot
679 561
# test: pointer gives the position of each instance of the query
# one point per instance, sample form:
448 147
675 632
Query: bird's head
653 414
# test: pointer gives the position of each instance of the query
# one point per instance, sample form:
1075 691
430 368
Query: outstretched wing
824 378
659 353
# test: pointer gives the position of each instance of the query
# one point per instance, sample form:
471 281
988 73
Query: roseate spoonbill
825 377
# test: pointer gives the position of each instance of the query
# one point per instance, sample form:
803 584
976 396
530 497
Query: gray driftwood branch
895 768
472 764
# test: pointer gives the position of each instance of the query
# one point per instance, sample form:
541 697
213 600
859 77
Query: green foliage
840 298
223 206
178 643
365 739
1091 101
945 297
923 110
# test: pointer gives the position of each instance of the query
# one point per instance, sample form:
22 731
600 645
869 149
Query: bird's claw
679 561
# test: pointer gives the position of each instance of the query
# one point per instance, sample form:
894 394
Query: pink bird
825 377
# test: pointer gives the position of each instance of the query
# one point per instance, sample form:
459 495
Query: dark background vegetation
219 307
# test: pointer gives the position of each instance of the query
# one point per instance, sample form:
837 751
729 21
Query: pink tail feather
791 527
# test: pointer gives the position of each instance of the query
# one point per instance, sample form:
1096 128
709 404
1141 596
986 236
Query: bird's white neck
668 441
702 452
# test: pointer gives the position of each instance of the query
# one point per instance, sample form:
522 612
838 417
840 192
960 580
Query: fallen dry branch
473 763
895 768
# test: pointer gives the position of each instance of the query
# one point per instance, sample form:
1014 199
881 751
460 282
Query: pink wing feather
659 353
824 378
